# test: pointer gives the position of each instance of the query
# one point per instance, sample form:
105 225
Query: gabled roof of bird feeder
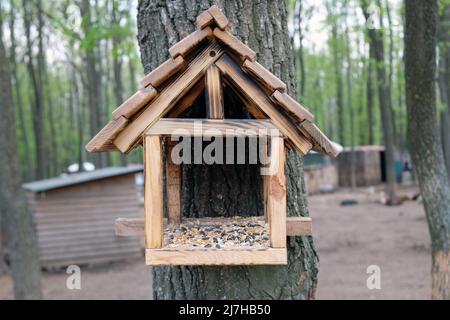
174 86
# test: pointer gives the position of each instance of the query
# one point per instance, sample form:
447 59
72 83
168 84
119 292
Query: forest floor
348 240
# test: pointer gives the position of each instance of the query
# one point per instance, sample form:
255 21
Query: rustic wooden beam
291 106
173 185
276 194
135 103
126 227
267 79
235 44
321 141
252 91
164 72
167 98
220 19
153 192
269 256
204 19
213 127
102 140
183 47
213 93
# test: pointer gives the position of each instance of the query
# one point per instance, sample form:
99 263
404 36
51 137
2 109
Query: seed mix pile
224 233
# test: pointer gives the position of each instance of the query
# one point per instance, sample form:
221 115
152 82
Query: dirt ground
348 240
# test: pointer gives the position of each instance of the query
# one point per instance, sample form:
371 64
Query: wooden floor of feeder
217 241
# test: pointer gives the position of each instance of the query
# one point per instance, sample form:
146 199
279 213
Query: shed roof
78 178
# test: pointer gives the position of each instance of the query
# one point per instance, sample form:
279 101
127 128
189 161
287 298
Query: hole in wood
212 53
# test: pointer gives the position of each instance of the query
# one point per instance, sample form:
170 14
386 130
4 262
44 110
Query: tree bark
19 226
376 40
444 80
232 189
370 117
424 139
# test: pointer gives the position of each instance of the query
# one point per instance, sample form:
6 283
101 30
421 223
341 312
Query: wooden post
213 93
173 185
153 197
276 195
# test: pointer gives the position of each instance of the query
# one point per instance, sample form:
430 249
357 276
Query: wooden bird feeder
207 60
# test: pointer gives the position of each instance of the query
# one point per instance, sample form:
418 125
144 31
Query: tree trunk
444 80
424 139
232 189
376 40
93 85
370 103
38 103
19 226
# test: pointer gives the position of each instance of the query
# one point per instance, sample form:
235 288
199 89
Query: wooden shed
74 215
369 162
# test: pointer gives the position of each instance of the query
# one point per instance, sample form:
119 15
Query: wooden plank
276 194
235 44
134 227
291 106
153 192
167 98
321 142
249 105
204 19
298 226
220 19
183 47
248 88
187 101
173 185
270 256
213 127
135 103
164 72
125 227
214 93
109 132
269 81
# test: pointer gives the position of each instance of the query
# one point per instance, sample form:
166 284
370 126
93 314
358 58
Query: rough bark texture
19 226
230 190
425 142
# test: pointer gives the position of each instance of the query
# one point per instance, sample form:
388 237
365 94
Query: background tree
19 227
231 190
425 144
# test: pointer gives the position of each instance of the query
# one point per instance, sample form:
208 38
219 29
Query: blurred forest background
73 62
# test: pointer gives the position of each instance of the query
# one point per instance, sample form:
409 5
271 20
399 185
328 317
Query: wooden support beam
167 98
214 93
102 140
126 227
220 19
235 44
183 47
173 185
164 72
213 127
270 256
276 194
252 91
135 103
291 106
267 79
153 192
